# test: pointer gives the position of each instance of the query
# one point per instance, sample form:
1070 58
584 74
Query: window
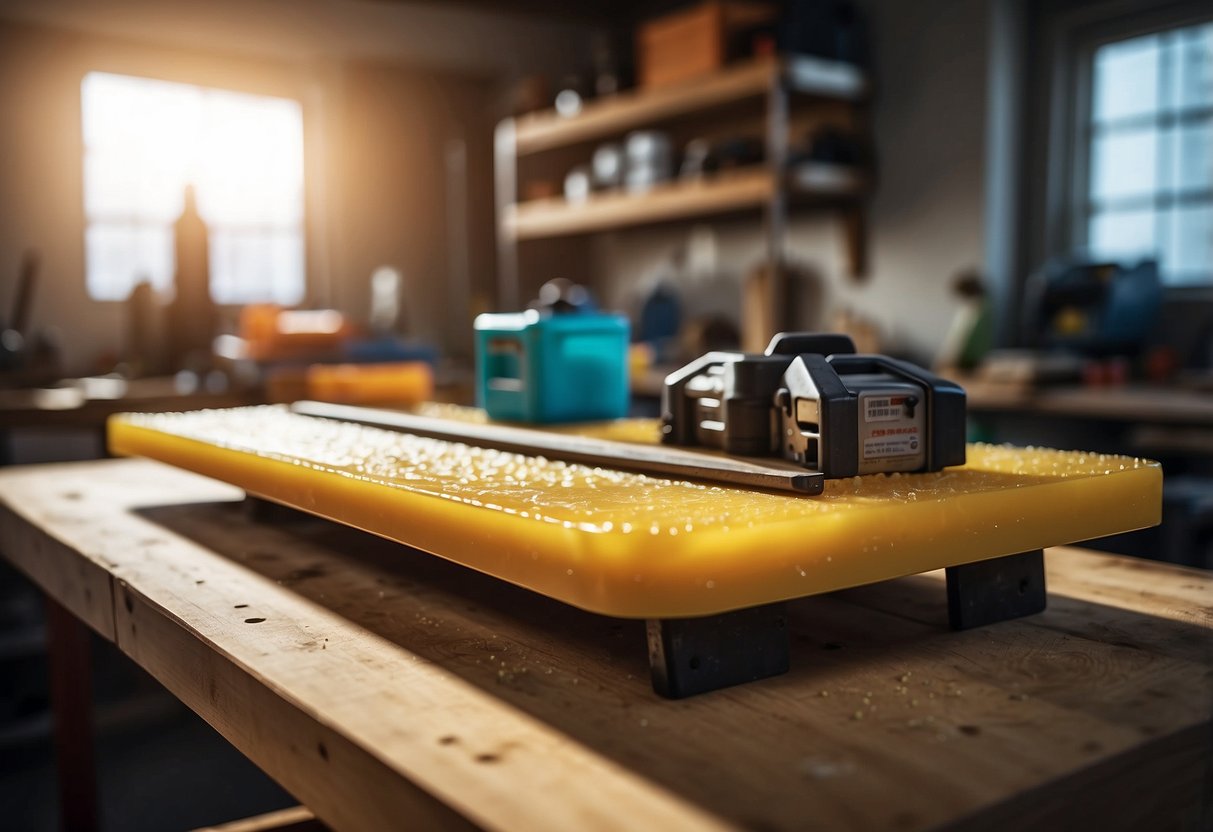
145 140
1149 185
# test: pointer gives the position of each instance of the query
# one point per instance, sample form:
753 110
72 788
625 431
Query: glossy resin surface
635 546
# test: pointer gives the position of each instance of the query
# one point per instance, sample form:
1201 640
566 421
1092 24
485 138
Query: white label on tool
884 408
903 441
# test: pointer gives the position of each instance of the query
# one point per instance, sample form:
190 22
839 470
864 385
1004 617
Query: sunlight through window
145 140
1151 170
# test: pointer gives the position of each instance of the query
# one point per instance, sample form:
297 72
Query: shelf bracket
777 204
505 191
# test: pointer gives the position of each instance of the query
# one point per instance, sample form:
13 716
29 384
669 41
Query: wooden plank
617 114
1093 595
81 585
709 730
364 730
1129 403
1159 788
68 658
620 209
721 194
86 403
646 458
414 674
293 819
628 110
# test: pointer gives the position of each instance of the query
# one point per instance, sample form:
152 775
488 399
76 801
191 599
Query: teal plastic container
553 367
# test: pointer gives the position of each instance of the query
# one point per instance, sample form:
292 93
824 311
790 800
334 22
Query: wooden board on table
293 819
88 402
377 683
634 546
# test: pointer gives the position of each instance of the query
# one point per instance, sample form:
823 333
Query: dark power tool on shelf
811 400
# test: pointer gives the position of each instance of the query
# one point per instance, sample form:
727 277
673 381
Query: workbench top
382 686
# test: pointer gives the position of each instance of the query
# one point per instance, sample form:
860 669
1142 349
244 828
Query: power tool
810 399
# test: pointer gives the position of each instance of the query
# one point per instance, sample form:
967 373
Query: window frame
220 80
1074 37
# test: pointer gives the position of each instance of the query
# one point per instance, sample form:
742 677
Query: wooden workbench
87 403
1126 403
386 688
84 405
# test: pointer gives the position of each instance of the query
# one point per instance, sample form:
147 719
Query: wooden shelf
767 97
642 108
736 191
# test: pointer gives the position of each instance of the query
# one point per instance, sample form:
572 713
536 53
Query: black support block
696 655
999 589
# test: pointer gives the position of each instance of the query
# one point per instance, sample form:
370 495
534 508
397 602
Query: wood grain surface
380 685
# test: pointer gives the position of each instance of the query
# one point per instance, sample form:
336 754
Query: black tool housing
801 400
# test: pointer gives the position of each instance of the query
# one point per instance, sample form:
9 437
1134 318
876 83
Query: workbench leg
71 704
696 655
995 590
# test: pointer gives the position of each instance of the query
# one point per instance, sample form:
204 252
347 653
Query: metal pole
505 174
777 204
71 704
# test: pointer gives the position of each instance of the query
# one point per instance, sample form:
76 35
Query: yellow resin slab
635 546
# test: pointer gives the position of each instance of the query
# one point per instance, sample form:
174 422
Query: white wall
926 220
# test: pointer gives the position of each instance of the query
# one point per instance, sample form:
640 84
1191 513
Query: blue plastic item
544 368
386 349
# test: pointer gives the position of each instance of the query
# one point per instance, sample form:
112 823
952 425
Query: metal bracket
755 472
995 590
688 656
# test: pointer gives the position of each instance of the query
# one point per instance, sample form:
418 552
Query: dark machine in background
1092 308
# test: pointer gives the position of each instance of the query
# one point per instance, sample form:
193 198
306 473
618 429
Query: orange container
692 42
406 382
273 333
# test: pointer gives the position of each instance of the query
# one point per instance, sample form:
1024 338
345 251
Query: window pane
1123 164
1126 78
118 256
1193 158
1195 67
1188 257
145 140
122 112
1123 234
118 185
254 166
1151 153
256 265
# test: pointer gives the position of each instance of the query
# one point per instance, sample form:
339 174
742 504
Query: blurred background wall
387 90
